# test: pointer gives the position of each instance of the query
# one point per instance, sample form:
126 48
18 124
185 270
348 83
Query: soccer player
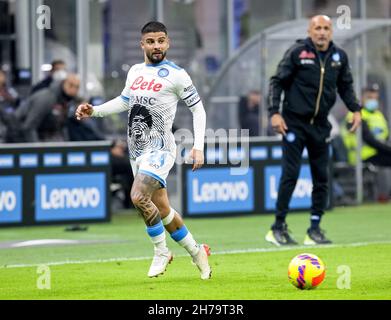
150 95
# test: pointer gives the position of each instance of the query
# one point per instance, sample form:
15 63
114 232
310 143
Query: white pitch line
250 250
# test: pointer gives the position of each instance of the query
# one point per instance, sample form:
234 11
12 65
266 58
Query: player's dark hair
154 26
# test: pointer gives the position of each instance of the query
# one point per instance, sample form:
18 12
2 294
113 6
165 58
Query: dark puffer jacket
44 115
310 82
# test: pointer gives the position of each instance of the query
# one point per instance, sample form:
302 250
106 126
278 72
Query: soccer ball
306 271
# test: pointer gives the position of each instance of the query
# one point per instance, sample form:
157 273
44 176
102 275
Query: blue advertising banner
76 158
100 158
54 183
70 196
246 184
28 160
6 161
301 197
276 152
258 153
215 190
10 199
52 160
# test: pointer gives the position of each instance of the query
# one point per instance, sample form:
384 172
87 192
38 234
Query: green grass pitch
114 260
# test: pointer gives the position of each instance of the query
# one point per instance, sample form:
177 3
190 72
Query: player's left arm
199 124
188 93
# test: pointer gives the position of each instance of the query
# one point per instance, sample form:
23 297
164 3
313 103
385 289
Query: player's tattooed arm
143 188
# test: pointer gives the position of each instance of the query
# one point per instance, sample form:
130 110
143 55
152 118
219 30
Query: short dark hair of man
374 87
154 26
56 63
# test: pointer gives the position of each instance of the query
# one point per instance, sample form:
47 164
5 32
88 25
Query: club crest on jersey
336 57
163 72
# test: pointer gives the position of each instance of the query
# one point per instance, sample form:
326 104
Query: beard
156 57
322 43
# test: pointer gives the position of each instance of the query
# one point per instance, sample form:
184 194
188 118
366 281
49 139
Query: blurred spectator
249 112
375 132
44 115
9 101
376 148
121 172
3 129
9 98
339 153
57 73
87 130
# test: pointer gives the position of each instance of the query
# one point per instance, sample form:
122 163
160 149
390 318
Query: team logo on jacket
336 57
290 137
163 72
336 60
307 55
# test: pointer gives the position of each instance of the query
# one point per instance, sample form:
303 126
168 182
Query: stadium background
205 36
227 46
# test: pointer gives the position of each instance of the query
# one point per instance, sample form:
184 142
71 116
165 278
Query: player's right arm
116 105
278 82
281 80
84 111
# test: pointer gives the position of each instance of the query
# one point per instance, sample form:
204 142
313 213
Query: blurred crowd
47 114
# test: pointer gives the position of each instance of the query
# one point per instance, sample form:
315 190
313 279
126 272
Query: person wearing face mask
57 73
375 133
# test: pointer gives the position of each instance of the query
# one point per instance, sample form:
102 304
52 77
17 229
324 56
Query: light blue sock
158 236
184 238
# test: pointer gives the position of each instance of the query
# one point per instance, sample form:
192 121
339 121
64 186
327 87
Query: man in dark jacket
57 73
44 115
309 74
249 112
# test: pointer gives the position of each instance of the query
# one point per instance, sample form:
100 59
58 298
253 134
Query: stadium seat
345 176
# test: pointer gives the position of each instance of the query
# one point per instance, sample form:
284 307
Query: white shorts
156 164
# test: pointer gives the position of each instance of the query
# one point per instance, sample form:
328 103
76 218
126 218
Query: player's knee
163 208
138 198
